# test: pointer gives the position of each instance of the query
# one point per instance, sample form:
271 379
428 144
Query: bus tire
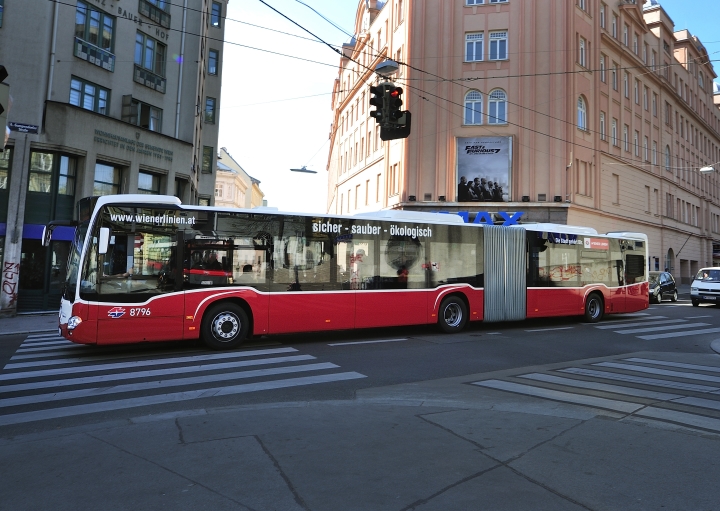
593 308
453 315
224 326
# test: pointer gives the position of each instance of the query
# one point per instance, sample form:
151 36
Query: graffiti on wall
10 279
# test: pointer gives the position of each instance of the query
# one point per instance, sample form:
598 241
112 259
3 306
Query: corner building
109 96
583 112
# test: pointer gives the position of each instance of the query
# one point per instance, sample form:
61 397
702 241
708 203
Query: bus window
208 262
456 259
402 263
140 261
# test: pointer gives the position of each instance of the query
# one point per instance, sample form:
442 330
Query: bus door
390 276
309 289
132 286
636 297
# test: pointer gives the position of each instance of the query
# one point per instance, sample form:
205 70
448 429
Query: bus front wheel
593 308
452 315
225 326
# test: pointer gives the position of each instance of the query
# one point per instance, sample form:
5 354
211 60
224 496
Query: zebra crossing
48 377
687 394
652 327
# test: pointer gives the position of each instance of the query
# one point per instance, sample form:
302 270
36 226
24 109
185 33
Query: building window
2 8
603 134
654 153
614 132
473 107
474 47
646 149
701 81
89 96
141 114
626 84
645 98
498 45
637 92
581 53
668 158
474 2
219 191
603 9
216 14
94 26
42 166
602 68
636 48
107 179
5 165
614 26
497 106
207 159
626 41
150 54
213 62
636 142
582 4
148 184
615 76
581 114
498 1
626 137
210 110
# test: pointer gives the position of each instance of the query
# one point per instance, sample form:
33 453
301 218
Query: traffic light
395 115
4 107
378 100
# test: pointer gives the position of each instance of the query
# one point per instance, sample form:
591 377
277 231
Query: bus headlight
73 322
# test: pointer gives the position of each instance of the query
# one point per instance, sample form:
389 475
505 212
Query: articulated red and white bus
147 268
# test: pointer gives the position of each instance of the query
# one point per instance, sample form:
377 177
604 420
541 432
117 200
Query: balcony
154 13
101 58
149 79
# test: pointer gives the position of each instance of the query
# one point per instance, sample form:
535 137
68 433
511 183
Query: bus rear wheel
224 326
593 308
452 315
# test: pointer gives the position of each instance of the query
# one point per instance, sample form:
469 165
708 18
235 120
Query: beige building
109 96
587 112
235 188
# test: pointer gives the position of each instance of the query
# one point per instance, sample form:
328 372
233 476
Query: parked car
662 285
706 287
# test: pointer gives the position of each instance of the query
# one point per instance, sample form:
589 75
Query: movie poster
483 169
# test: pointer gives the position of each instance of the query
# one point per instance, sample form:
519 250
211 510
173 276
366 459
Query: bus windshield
73 267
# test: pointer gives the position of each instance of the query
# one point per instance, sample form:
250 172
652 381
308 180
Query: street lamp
304 169
707 169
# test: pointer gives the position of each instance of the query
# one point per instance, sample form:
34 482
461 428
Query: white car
706 287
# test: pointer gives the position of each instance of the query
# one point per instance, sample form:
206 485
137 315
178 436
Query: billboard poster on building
483 169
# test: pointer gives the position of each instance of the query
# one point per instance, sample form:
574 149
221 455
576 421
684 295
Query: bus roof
547 227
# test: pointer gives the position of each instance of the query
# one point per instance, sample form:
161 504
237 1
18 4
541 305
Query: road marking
681 365
616 389
40 346
44 334
618 324
639 379
155 385
137 363
549 329
679 334
68 411
698 317
366 342
698 401
686 419
662 327
18 387
660 372
556 395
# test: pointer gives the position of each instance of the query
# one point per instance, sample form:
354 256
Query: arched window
582 114
473 107
701 81
668 158
497 106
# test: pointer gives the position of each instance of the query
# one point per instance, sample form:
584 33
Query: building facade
587 112
235 188
109 96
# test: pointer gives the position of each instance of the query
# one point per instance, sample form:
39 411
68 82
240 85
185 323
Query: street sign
23 128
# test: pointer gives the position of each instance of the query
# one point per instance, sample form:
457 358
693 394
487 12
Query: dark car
662 285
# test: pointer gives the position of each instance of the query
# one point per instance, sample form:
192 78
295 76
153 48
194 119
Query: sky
275 111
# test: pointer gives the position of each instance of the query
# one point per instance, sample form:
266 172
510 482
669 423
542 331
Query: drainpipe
52 51
182 63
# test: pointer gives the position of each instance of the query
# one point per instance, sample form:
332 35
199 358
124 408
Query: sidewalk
29 323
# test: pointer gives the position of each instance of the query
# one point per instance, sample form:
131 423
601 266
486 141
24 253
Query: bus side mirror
104 240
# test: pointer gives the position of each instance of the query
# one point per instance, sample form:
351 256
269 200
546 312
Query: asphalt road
404 418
